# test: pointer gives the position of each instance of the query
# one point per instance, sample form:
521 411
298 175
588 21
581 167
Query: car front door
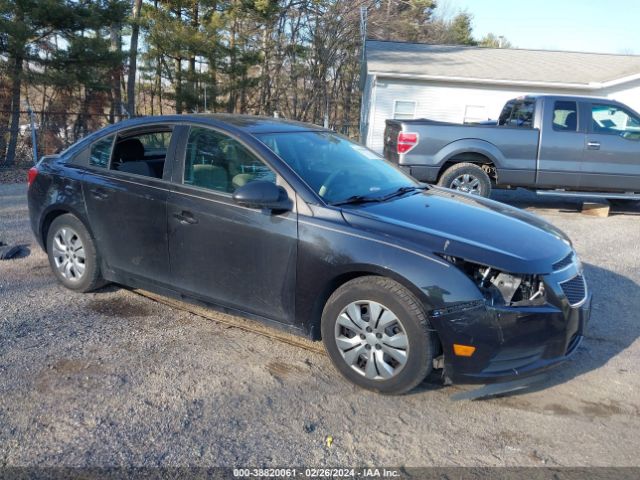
612 149
219 251
125 194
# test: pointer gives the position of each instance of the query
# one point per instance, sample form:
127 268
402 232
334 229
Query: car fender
435 282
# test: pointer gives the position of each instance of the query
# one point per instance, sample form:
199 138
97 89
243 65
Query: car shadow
611 330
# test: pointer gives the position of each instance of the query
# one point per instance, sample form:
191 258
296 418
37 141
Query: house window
404 110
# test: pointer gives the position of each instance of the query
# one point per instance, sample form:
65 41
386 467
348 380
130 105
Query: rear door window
143 153
565 116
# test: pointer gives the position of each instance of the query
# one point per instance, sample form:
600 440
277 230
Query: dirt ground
113 378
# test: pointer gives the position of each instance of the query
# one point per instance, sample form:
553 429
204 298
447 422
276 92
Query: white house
461 84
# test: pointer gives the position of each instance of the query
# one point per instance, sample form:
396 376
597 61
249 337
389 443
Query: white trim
577 86
372 109
621 80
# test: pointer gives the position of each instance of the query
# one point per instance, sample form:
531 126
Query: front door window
613 120
218 162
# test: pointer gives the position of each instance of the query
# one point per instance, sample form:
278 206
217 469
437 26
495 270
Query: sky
609 26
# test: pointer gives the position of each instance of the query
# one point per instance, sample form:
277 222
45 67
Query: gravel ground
14 174
113 378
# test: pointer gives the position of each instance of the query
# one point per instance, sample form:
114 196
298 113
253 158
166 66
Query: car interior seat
129 150
571 122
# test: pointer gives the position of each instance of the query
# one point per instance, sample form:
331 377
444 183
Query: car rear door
222 252
127 205
611 148
561 144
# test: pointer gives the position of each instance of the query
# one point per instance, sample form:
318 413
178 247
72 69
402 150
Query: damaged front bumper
511 342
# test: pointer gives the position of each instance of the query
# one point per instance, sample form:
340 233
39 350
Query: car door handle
99 194
186 217
593 145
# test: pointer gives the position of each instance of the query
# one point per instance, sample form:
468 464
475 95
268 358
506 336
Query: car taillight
31 176
406 141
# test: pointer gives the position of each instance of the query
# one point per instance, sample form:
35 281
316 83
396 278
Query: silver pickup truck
557 145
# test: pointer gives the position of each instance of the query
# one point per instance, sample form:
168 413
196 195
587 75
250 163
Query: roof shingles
504 64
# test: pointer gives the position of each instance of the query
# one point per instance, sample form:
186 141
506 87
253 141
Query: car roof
252 124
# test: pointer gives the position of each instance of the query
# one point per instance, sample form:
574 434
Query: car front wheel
377 335
72 254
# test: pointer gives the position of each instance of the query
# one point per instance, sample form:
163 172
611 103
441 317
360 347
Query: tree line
80 64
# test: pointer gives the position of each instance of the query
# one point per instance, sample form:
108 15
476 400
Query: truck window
613 120
503 119
518 113
522 115
565 117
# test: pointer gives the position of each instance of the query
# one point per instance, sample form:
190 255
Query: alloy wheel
466 183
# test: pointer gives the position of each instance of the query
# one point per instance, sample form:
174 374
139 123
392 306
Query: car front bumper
511 342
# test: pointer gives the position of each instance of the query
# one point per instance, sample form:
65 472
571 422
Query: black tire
412 318
90 279
448 178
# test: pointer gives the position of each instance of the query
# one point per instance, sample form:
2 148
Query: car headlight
503 288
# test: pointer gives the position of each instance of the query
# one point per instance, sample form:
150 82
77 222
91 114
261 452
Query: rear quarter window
520 115
505 114
100 152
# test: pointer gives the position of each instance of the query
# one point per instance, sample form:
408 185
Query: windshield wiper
357 199
402 191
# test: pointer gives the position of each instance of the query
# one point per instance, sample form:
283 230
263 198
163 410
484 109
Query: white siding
444 101
628 93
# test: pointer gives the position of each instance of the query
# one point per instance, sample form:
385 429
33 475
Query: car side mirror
263 194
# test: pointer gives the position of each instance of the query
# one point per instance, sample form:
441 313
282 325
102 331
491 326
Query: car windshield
337 169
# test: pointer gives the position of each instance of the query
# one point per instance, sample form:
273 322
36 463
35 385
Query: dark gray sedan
308 231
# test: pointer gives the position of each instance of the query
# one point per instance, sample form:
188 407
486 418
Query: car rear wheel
468 178
72 254
376 334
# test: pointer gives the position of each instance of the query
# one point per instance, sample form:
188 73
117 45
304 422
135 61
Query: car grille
565 262
575 289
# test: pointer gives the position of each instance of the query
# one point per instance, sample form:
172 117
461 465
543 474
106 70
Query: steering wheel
326 186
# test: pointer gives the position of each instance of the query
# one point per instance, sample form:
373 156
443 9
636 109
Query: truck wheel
377 335
468 178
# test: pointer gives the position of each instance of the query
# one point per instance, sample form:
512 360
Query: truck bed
515 148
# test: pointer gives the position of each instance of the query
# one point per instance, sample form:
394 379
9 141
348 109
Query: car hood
465 226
